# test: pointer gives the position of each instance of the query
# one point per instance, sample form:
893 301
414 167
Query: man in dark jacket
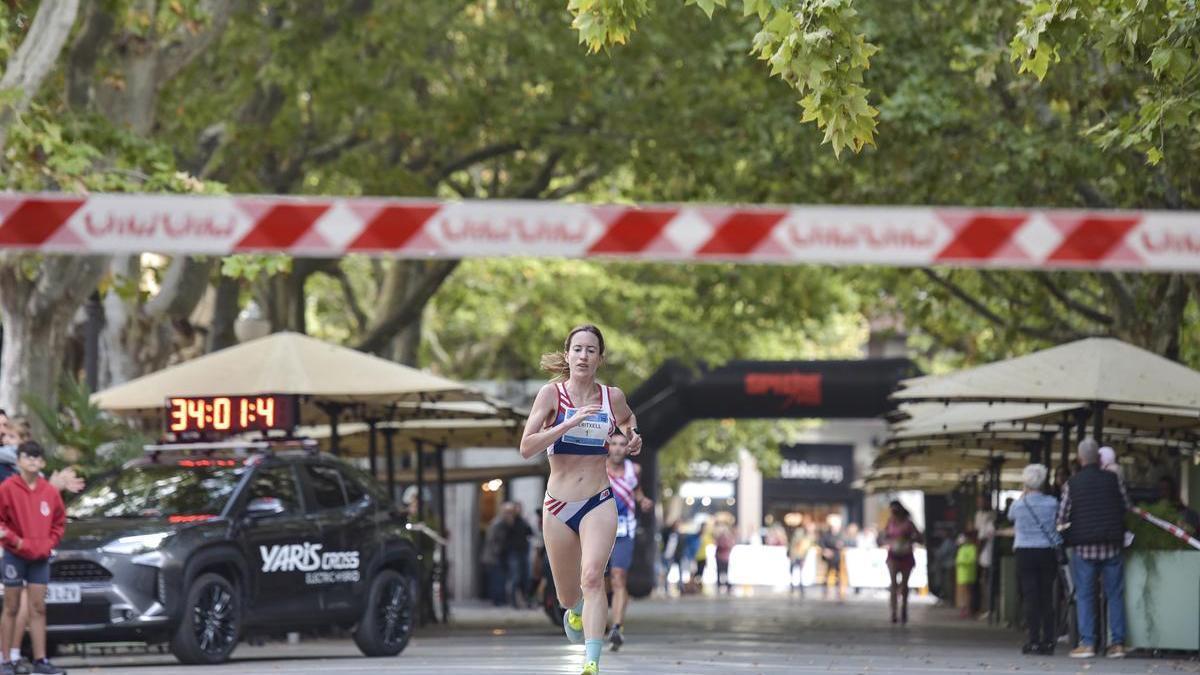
1091 516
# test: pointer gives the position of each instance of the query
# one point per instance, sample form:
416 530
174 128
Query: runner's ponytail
555 363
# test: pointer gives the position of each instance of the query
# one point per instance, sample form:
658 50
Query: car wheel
209 629
387 620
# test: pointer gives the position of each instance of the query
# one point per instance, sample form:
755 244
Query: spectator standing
797 551
495 550
966 572
1033 517
672 555
943 567
1092 519
517 553
724 547
985 532
32 521
831 553
704 540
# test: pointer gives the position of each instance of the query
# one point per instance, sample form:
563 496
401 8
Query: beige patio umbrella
1095 370
286 363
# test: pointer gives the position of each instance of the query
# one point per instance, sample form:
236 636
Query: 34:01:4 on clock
228 413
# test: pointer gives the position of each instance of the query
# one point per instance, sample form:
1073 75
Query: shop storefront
814 482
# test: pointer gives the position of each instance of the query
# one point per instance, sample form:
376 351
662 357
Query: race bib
593 431
626 525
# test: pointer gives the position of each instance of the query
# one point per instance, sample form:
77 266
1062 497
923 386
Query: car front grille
78 571
75 614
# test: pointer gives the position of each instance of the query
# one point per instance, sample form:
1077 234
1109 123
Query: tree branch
472 158
360 318
983 311
581 183
1070 303
177 56
182 287
81 62
1126 305
402 302
542 181
29 66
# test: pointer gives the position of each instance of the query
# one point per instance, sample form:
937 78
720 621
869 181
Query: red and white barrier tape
333 226
1173 529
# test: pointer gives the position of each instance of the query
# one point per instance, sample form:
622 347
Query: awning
1092 370
285 363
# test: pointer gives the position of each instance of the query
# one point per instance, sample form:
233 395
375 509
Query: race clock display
230 414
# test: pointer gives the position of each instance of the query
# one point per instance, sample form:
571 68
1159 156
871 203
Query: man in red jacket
32 519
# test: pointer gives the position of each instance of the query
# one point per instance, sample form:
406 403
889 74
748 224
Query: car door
338 522
279 547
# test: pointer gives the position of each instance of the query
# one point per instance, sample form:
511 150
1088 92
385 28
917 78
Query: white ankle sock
14 655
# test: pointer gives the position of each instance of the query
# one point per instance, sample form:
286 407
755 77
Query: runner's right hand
585 412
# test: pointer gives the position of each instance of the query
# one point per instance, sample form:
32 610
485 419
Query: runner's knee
592 579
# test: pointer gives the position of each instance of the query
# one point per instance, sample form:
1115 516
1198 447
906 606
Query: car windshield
160 491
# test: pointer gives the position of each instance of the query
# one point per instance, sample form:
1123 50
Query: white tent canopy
1092 370
285 363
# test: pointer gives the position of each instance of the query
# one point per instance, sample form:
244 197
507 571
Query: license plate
62 594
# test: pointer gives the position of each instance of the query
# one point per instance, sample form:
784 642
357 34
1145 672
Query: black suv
201 550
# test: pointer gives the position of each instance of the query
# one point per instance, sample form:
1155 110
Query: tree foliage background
1063 103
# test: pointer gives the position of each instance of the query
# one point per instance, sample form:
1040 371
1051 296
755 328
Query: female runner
571 419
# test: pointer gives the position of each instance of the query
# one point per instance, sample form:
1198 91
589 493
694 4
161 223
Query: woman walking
571 420
1033 516
900 535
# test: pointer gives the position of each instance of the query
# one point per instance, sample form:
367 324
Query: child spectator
966 574
32 519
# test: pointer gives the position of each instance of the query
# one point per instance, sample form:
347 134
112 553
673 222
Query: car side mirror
261 507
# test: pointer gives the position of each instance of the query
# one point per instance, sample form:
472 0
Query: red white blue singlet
591 436
623 488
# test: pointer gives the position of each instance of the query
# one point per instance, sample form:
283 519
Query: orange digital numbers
266 410
221 413
178 408
230 414
197 410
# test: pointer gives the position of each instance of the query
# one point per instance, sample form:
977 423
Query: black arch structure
675 395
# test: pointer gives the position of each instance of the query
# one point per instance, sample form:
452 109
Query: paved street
765 634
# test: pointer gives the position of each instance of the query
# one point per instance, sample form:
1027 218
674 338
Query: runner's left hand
635 444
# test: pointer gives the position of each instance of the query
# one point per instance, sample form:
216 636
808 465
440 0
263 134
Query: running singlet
591 436
623 489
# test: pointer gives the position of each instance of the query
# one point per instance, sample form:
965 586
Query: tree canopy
1063 103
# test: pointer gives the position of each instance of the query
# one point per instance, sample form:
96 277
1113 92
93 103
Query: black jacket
1096 512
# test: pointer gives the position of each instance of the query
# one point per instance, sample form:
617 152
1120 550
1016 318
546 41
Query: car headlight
136 544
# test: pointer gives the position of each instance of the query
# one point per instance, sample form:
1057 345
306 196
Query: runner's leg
562 549
597 533
620 599
905 572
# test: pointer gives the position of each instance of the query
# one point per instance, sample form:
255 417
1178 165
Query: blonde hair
556 364
21 428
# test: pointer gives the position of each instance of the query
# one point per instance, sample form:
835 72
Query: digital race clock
231 414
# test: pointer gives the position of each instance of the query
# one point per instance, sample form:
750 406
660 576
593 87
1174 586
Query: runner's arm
625 419
537 436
